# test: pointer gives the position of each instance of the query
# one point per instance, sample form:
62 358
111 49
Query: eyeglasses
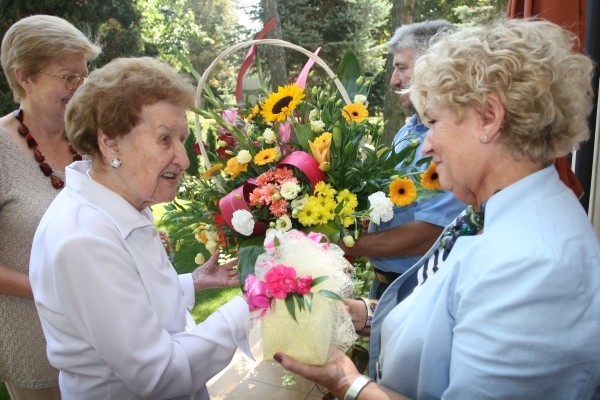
71 81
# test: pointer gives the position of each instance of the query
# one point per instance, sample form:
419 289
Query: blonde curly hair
531 65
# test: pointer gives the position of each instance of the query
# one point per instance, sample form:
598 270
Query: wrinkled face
456 149
47 94
404 62
153 156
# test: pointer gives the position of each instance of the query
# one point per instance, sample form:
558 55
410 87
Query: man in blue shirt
394 246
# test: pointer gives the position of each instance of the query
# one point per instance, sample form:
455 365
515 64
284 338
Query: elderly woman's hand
212 275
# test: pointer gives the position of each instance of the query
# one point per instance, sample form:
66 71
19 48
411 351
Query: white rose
270 136
283 223
298 203
382 208
317 126
290 190
244 157
361 99
199 259
211 246
243 222
313 115
212 235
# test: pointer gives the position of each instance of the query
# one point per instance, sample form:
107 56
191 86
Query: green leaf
249 251
300 301
290 304
308 301
318 280
304 133
330 295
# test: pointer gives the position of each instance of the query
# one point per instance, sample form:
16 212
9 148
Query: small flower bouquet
299 158
296 297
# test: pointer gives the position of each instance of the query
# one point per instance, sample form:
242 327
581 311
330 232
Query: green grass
207 301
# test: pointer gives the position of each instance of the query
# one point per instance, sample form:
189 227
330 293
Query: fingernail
278 357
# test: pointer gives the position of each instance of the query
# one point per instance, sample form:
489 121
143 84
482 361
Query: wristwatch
359 383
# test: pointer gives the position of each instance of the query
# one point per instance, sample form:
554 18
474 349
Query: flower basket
311 160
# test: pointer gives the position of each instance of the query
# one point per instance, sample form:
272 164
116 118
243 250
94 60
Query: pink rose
281 280
304 284
256 294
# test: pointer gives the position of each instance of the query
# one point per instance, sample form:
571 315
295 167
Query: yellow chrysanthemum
403 191
325 189
266 156
212 170
307 216
234 168
355 112
430 179
349 198
323 214
280 105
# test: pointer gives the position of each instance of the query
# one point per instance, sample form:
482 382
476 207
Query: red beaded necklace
23 130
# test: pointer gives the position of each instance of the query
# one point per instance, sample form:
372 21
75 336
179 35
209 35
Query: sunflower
355 112
280 105
430 179
266 156
403 191
212 170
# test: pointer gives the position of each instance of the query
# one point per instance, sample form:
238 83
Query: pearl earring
485 139
115 163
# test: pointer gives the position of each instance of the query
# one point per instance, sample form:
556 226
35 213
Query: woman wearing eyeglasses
44 59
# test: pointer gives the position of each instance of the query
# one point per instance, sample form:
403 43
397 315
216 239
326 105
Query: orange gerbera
355 112
403 191
266 156
430 179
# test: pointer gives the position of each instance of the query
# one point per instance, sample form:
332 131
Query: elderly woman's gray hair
542 82
33 41
114 95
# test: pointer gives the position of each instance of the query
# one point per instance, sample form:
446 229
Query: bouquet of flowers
296 297
300 158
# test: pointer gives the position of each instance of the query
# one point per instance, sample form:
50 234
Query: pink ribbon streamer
249 59
303 77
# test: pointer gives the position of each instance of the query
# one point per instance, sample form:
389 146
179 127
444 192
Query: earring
115 163
485 139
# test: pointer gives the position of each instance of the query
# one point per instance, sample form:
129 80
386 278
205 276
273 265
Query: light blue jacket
513 313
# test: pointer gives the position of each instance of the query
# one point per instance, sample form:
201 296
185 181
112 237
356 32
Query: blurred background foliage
199 30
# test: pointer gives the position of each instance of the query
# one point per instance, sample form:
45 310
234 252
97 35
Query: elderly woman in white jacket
113 309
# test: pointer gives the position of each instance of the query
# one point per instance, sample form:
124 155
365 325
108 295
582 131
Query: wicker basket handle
199 101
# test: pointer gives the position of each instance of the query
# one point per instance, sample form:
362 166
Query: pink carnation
279 207
256 293
304 284
281 280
